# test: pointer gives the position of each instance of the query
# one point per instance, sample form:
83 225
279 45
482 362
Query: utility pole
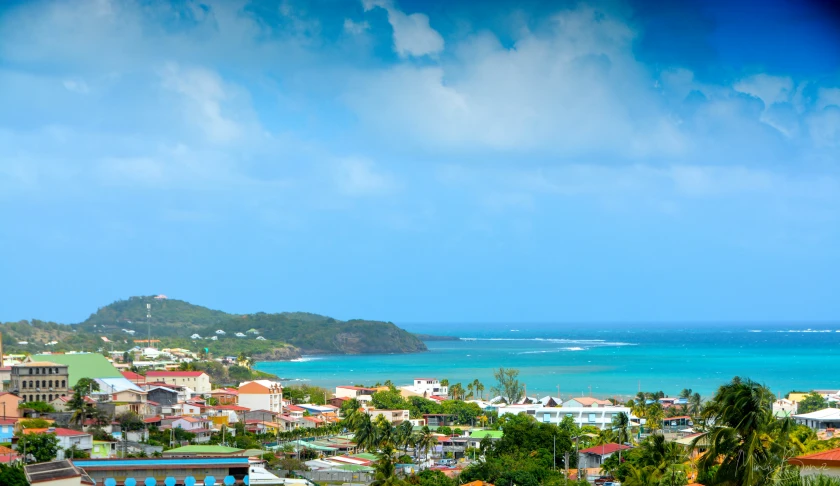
149 322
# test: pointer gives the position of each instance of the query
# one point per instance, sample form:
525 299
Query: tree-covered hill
283 336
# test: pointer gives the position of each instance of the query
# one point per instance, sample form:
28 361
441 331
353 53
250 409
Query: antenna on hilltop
149 322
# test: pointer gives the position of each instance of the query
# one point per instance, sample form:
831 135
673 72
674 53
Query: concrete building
600 416
593 457
261 395
9 405
40 381
198 381
67 438
56 473
821 420
160 468
392 416
361 393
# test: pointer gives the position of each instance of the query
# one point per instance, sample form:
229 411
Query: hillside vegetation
286 335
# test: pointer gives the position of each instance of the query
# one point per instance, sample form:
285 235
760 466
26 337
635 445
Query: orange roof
829 458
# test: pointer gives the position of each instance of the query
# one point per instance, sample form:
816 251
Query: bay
606 360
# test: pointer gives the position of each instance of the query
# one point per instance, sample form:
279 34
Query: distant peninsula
176 323
431 337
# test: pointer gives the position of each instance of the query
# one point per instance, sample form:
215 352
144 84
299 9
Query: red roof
356 387
173 374
678 418
235 408
57 431
295 408
130 375
229 391
825 458
605 449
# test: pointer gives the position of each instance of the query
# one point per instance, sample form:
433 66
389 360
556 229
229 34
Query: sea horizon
605 360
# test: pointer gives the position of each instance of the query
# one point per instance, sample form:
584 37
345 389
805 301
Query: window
50 383
24 383
63 383
591 418
30 383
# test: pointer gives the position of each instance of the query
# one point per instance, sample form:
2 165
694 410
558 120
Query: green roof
354 468
366 456
204 449
493 434
83 365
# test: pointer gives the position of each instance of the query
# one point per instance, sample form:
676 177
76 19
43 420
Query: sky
423 161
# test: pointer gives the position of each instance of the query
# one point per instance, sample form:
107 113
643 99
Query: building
9 405
593 457
821 420
103 449
586 402
476 436
201 427
360 393
198 381
438 419
392 416
67 438
425 387
82 365
826 463
261 395
56 473
5 377
7 429
783 408
161 468
40 381
600 416
205 451
165 397
60 403
135 378
225 396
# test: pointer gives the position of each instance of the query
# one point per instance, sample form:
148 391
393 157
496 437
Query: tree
695 405
746 444
386 472
507 385
479 387
811 403
456 391
424 441
40 447
621 424
12 475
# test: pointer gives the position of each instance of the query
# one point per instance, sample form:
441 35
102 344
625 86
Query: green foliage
39 447
812 402
40 407
12 475
507 385
465 413
35 423
130 422
306 393
429 477
389 400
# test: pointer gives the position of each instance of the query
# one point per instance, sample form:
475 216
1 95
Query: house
262 427
240 334
586 402
103 449
826 463
82 365
40 381
225 396
676 424
9 405
360 393
56 473
337 402
184 393
261 395
597 415
317 409
476 436
67 438
60 403
5 377
201 427
198 381
392 416
220 332
438 419
265 415
7 429
425 387
783 408
593 457
8 456
821 420
133 377
165 397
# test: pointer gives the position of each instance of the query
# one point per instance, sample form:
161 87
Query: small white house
220 332
260 338
239 334
195 336
214 338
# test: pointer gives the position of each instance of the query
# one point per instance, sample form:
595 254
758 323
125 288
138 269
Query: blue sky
423 161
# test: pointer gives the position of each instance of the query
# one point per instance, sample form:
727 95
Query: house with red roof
825 462
198 381
594 456
225 396
133 377
201 427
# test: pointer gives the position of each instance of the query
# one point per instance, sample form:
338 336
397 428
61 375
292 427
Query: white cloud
355 28
770 89
76 86
359 177
574 89
204 93
413 35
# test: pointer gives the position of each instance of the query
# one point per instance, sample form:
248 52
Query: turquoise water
611 359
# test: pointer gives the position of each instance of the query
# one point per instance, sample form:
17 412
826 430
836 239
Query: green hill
285 335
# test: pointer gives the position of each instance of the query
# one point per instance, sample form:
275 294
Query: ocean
606 360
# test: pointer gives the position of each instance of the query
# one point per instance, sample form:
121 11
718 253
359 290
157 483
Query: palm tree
364 432
470 387
403 434
479 387
386 472
456 391
621 424
653 415
695 405
745 440
425 440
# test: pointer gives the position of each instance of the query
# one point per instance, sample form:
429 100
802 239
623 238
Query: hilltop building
198 381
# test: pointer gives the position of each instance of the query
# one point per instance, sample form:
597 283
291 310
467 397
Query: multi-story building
9 405
198 381
425 387
596 414
261 395
392 416
40 381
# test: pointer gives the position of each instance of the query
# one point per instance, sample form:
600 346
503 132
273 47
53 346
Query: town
77 418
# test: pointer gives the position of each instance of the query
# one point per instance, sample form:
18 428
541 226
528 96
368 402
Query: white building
784 408
600 416
261 395
220 332
196 380
392 416
67 438
360 393
827 418
426 387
